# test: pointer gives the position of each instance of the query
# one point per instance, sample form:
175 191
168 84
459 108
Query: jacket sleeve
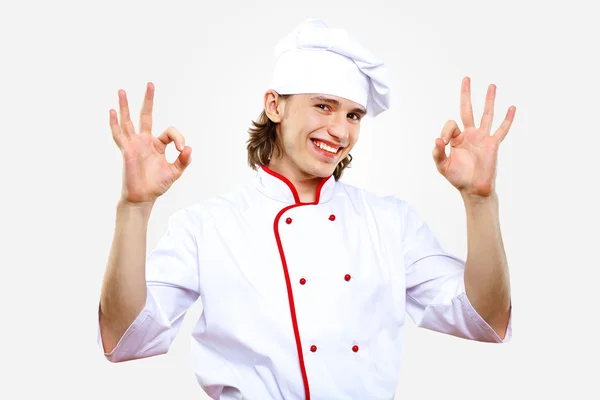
172 288
435 287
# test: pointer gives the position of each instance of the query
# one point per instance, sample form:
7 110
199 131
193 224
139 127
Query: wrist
123 205
475 201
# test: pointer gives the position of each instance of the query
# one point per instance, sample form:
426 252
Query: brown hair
263 144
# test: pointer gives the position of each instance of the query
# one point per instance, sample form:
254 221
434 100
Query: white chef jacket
300 300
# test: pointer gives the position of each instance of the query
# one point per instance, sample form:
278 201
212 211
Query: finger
502 131
182 162
126 124
146 113
488 110
117 134
450 131
172 135
439 155
466 109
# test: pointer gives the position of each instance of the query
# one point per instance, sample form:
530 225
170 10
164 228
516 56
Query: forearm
487 280
124 287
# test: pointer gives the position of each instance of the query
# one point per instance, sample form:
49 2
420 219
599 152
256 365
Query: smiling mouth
332 151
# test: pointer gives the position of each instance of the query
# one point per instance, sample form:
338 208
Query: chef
305 280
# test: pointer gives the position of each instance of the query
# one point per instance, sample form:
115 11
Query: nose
338 128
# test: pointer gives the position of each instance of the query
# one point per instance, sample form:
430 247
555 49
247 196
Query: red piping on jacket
285 268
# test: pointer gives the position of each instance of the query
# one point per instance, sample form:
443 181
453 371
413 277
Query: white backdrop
63 62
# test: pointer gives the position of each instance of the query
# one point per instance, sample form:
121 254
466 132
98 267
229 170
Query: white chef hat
316 59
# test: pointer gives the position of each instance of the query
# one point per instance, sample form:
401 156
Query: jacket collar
278 187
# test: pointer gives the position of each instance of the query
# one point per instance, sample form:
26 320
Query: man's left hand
471 166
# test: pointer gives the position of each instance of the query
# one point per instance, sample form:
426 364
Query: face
317 131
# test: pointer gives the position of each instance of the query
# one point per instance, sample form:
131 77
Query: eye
354 116
321 106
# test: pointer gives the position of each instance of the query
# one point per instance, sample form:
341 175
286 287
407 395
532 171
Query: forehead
329 98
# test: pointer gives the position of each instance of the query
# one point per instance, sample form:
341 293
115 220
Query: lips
328 143
330 147
325 153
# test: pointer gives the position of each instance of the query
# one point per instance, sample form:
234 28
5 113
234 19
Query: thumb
183 161
439 155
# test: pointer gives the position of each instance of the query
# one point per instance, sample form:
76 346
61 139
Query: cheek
352 140
314 121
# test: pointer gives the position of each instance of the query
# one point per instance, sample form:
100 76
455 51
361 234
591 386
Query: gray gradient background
63 62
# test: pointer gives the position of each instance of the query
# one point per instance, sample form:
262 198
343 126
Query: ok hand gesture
471 166
146 172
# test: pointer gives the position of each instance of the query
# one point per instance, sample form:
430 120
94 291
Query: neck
306 185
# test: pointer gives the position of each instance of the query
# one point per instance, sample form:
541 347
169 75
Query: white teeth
325 147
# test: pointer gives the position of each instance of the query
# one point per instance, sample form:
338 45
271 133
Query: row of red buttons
313 348
347 277
288 220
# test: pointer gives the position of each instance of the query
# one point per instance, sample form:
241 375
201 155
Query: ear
274 106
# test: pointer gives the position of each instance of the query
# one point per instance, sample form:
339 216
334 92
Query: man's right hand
146 172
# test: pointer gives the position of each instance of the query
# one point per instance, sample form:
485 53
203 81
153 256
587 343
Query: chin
321 169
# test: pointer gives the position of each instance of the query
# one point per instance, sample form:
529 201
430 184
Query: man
305 280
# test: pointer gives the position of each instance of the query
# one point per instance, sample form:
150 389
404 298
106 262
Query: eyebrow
358 110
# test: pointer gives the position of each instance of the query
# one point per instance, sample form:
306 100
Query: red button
347 277
288 220
313 348
302 281
355 348
332 217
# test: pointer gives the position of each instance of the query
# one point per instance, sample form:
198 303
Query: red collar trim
293 188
